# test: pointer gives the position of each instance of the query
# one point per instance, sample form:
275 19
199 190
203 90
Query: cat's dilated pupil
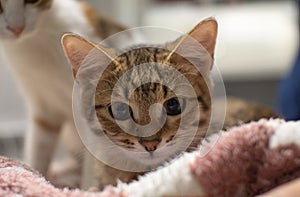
120 111
172 107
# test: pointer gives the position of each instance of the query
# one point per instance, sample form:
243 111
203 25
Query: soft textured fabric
245 161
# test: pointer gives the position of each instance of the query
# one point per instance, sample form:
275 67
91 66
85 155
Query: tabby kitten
30 34
160 146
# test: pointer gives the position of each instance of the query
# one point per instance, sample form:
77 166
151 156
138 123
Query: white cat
30 36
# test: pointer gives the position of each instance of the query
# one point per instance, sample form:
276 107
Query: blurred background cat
30 33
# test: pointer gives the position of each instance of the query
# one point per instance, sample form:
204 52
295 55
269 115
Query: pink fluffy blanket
246 161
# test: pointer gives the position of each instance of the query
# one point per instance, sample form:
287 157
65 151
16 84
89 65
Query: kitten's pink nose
16 30
150 146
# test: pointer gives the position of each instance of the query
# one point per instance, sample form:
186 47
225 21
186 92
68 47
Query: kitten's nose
150 146
16 30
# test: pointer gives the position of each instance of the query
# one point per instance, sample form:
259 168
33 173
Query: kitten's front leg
96 174
40 143
107 175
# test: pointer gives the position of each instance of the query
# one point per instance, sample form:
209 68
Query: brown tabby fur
240 111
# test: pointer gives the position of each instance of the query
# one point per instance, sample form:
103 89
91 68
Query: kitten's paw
94 189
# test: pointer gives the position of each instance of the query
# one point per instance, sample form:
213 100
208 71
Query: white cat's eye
32 1
173 107
120 111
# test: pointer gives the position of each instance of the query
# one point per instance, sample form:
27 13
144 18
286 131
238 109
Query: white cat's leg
66 168
40 143
88 177
71 139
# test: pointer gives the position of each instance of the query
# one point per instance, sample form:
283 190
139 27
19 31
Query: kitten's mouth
150 145
157 157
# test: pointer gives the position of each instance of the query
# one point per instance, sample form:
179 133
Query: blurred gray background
256 46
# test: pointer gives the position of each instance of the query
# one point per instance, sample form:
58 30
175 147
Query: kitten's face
145 96
19 17
112 107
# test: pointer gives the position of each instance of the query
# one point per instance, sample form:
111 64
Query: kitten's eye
31 1
172 107
121 111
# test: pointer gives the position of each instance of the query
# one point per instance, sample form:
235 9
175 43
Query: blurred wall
12 108
127 12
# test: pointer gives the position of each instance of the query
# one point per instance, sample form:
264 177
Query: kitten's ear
187 46
76 49
206 34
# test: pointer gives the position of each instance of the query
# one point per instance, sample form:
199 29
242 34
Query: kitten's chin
152 160
156 158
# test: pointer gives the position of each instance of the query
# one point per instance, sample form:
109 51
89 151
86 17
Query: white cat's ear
197 46
76 49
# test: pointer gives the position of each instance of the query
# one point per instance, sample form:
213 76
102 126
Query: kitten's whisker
108 81
106 90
